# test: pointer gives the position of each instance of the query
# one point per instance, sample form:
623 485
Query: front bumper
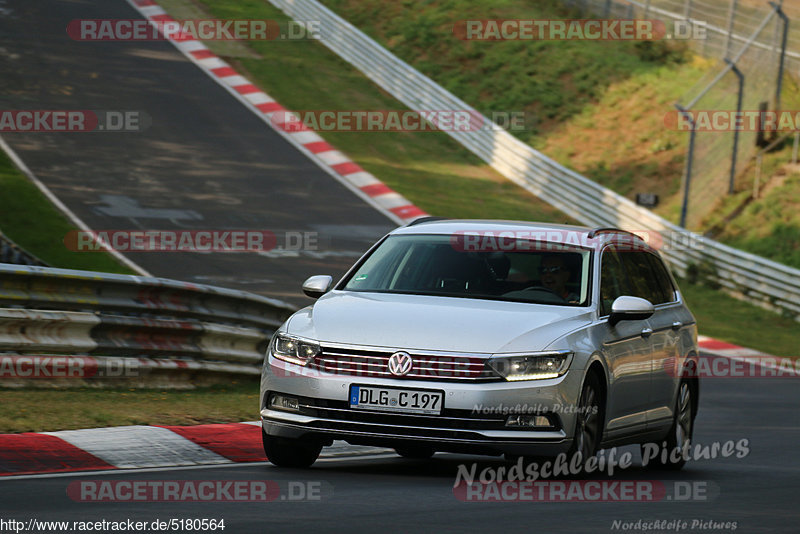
472 421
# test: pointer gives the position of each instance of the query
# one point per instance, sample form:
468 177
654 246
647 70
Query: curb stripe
318 146
128 447
29 453
238 442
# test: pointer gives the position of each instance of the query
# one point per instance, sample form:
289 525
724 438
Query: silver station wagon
486 337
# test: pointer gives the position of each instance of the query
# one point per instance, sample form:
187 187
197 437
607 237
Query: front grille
427 366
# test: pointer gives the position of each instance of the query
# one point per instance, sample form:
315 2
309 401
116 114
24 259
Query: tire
286 452
589 420
415 452
681 431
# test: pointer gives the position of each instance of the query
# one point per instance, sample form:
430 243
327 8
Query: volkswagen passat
486 337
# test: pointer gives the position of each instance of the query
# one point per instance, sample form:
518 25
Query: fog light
284 403
529 421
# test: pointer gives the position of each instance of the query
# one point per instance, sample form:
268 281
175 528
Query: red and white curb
334 162
772 365
142 447
723 348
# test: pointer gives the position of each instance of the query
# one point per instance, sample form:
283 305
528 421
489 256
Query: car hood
435 323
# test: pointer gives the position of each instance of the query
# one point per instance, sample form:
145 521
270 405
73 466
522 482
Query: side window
642 280
663 280
612 280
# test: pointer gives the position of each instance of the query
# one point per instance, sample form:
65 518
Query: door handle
677 325
647 332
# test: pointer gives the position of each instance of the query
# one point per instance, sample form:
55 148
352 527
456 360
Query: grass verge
29 219
33 410
723 317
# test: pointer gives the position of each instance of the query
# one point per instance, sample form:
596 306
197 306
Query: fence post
646 9
781 63
740 76
759 159
687 175
731 19
607 9
687 9
795 148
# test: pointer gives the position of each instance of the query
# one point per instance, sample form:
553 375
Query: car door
645 273
669 321
628 354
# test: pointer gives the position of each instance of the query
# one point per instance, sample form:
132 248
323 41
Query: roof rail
609 230
425 220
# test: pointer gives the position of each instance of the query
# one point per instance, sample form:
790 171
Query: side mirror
630 309
318 285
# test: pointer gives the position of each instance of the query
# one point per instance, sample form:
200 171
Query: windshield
524 271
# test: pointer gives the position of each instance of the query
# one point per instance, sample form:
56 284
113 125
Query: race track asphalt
205 163
390 494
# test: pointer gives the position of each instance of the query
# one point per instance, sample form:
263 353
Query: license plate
396 400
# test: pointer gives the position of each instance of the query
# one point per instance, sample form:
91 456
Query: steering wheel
544 290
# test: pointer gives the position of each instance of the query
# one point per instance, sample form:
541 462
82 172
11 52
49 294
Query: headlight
294 349
532 366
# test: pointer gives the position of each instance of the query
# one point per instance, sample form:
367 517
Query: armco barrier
10 252
160 327
764 282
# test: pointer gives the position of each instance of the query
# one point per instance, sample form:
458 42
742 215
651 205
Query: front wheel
680 434
287 452
589 423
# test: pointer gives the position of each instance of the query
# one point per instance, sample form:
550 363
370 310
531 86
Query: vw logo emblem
400 363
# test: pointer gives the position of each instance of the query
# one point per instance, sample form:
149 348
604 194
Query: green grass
554 80
29 219
723 317
37 410
769 226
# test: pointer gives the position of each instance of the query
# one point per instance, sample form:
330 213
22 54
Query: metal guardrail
764 282
146 324
10 252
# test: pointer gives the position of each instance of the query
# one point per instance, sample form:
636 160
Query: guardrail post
687 176
740 76
607 9
687 9
646 9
